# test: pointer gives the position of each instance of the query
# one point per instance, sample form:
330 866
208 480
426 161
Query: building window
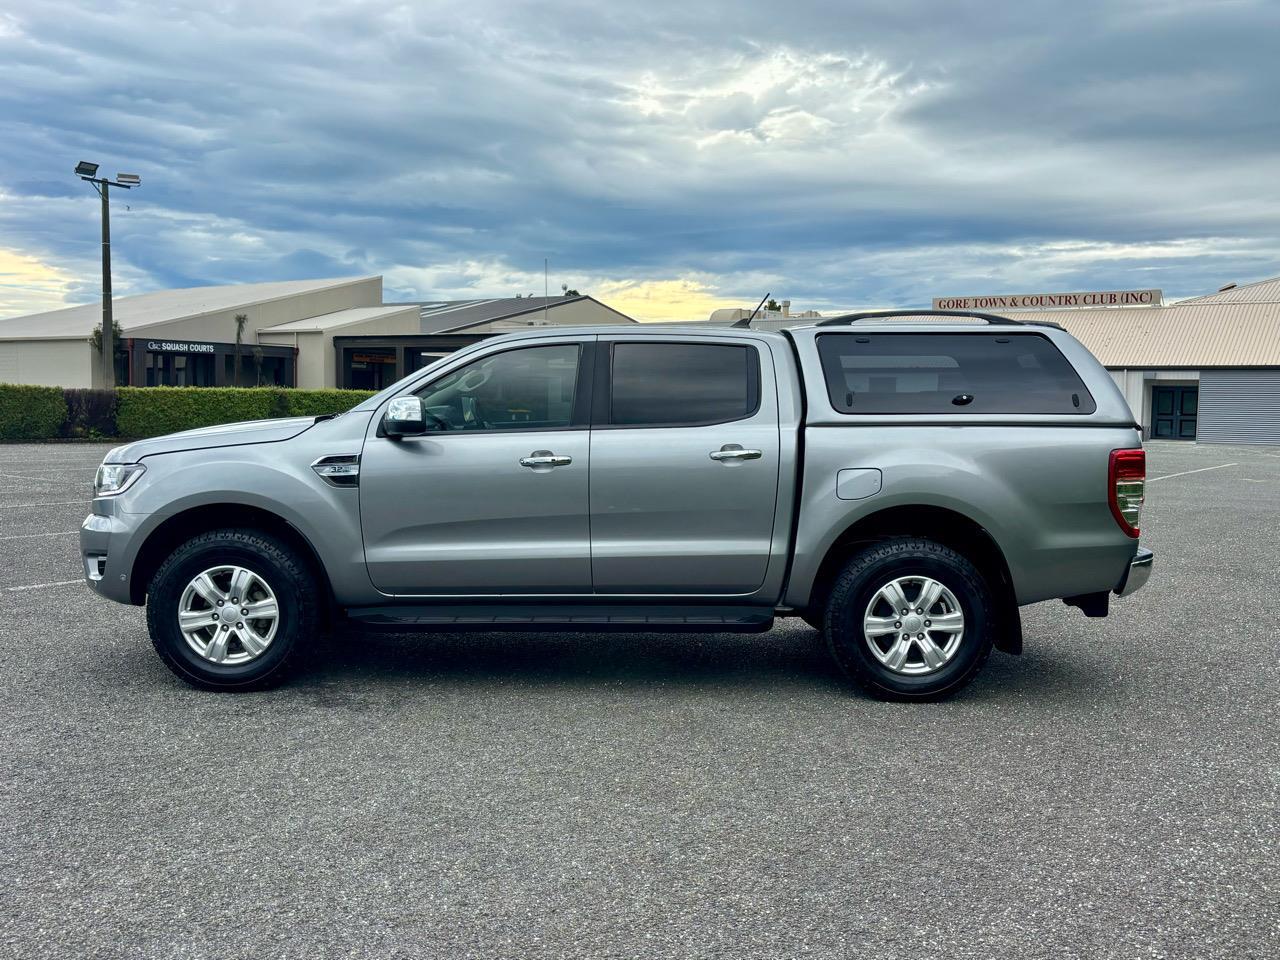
179 370
416 358
369 368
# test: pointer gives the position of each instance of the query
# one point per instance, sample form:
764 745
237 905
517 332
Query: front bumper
104 543
1138 573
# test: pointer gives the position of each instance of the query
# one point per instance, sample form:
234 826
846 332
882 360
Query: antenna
746 321
544 291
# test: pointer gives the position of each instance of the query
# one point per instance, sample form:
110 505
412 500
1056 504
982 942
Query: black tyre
909 619
231 609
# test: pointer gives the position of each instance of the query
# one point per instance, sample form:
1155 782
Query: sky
668 158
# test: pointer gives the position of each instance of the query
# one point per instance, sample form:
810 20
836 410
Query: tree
117 341
241 320
773 306
570 292
257 362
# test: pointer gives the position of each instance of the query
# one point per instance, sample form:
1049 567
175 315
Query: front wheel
909 619
229 610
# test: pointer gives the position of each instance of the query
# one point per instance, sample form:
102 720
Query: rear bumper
1138 573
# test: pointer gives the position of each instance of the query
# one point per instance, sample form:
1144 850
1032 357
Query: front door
1173 412
684 467
493 498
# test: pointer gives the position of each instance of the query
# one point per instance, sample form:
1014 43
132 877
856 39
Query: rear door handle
545 458
731 451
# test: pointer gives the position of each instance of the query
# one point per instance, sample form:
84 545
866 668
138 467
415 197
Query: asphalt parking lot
1111 793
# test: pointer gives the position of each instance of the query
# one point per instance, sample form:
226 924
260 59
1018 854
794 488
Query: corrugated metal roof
339 318
455 315
1263 291
1214 334
163 305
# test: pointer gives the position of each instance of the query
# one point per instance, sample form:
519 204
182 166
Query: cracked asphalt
1111 793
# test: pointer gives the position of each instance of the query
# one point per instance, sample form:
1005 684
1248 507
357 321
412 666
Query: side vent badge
340 471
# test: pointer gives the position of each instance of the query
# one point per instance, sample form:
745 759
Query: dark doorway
1173 412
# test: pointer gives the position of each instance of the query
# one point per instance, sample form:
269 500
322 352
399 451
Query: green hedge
40 413
312 403
151 411
31 413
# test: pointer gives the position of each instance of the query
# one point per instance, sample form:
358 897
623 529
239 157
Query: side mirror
405 417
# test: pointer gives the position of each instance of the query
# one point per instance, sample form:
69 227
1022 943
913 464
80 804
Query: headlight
113 478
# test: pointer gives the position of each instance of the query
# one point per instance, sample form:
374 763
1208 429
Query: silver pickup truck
903 483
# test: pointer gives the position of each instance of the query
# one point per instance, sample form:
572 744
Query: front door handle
731 452
545 458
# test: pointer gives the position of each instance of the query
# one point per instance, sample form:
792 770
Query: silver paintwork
228 615
913 625
646 512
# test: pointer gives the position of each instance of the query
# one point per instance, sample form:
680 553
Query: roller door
1239 406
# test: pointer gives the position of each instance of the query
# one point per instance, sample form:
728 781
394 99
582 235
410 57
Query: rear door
684 465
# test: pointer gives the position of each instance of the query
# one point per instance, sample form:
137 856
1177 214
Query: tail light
1126 480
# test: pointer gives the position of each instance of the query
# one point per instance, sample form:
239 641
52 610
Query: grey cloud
360 137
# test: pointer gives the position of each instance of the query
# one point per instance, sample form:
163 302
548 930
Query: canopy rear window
950 374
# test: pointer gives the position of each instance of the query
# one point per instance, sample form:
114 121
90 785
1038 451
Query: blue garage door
1239 406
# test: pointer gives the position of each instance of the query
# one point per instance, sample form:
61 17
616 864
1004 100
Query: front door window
529 389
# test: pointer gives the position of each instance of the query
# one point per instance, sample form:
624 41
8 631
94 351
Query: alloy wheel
913 625
228 615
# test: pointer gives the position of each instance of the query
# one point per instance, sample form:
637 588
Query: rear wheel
229 610
909 619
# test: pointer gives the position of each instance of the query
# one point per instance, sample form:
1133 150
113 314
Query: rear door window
946 373
682 384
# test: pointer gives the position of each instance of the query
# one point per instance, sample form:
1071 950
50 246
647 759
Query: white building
305 333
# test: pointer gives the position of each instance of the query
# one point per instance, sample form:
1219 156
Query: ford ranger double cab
902 482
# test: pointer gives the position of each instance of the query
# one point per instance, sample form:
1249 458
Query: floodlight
102 186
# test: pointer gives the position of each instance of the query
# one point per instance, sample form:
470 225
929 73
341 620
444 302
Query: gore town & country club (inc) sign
1042 301
179 346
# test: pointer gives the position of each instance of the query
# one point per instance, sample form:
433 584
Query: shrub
31 413
41 413
151 411
311 403
90 413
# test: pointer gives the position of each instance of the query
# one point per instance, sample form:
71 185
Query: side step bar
579 617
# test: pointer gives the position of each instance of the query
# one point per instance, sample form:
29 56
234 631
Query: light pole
127 181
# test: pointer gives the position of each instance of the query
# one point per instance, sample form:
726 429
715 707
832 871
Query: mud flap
1008 637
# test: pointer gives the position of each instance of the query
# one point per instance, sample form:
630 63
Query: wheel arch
184 525
942 525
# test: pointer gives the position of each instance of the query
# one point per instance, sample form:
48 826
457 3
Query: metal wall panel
1239 406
